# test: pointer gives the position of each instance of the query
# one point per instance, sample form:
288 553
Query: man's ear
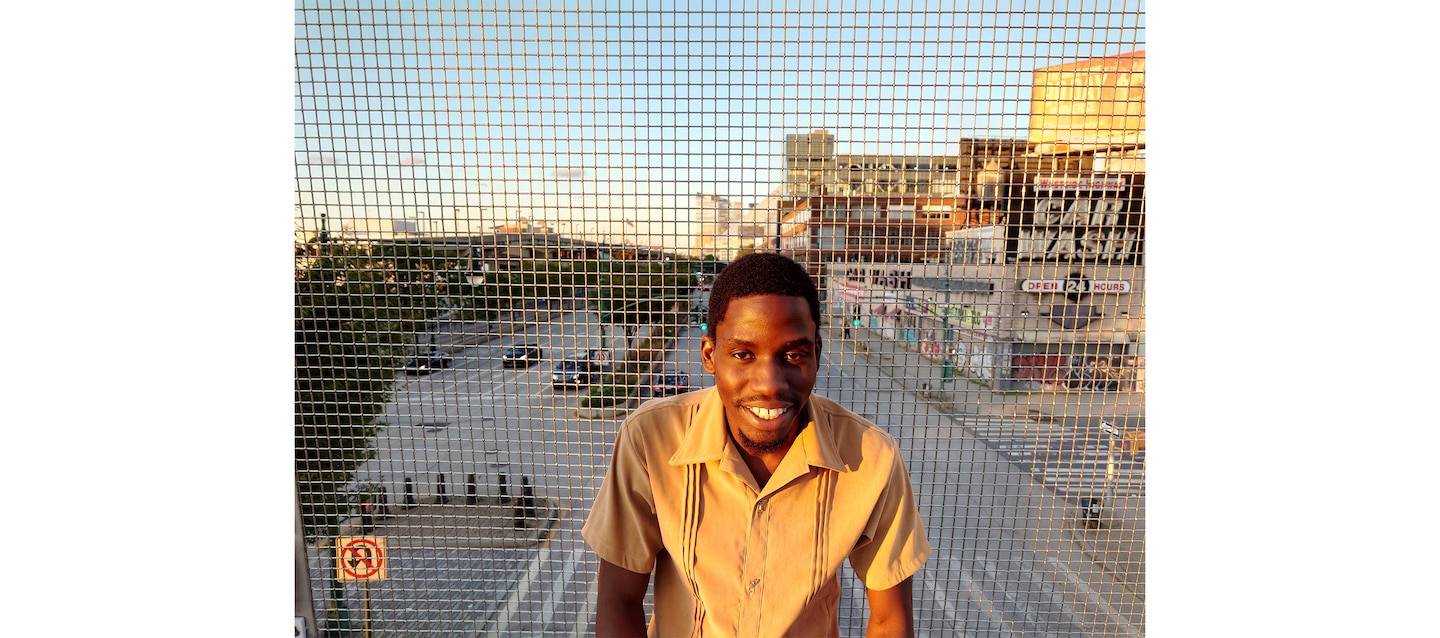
707 354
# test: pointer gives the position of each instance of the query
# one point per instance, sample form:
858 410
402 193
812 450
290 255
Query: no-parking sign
360 558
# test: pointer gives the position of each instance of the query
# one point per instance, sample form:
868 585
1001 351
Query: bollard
470 490
409 493
527 498
524 509
440 496
1090 510
367 516
504 493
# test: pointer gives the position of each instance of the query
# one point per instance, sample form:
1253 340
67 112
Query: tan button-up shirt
732 559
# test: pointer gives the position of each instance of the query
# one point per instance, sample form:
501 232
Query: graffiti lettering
1081 212
1063 244
1094 224
897 279
1039 367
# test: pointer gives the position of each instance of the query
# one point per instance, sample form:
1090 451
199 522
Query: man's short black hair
762 274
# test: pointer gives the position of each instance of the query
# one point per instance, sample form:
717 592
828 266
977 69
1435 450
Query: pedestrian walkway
1071 463
1046 432
488 522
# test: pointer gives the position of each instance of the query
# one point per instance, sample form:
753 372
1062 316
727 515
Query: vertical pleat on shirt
691 526
820 546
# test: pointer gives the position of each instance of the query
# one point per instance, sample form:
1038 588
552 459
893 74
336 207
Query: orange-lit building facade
1016 263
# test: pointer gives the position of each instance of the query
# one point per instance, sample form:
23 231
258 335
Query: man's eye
742 355
795 356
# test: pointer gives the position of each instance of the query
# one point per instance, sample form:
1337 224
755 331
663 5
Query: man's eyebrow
797 343
788 345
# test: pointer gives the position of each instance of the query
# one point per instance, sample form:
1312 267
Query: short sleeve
897 547
622 528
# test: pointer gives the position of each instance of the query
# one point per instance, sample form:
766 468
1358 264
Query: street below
997 496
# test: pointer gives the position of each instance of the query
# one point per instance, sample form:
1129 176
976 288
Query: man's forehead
750 326
762 307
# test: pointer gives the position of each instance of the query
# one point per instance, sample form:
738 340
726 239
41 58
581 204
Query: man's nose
769 376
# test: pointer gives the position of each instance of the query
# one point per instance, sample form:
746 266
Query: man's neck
762 468
763 465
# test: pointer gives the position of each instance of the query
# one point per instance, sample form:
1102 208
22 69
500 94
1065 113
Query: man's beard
753 446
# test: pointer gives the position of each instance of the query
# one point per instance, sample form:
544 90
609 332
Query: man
743 499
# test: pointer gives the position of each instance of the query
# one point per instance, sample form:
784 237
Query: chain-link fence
508 217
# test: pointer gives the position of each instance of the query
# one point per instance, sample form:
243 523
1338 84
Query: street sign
1106 428
1131 442
360 558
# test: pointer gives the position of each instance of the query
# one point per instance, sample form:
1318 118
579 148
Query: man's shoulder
663 410
665 417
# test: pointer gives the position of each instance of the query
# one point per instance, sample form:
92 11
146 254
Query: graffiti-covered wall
1022 326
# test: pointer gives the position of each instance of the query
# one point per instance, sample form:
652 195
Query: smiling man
744 499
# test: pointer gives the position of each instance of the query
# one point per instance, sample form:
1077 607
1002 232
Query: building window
830 238
938 212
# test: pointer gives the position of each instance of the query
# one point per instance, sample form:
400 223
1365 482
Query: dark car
668 384
597 358
522 356
573 374
427 363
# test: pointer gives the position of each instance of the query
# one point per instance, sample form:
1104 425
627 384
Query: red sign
360 558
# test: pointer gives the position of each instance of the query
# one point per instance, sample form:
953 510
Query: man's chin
767 439
772 444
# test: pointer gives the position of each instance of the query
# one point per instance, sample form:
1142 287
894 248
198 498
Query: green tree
357 311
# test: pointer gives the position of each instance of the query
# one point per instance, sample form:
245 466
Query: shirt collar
706 439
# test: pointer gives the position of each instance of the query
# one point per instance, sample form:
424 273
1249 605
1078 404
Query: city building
1017 263
712 219
882 208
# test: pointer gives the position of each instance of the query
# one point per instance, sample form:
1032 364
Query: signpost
361 559
1090 506
1130 442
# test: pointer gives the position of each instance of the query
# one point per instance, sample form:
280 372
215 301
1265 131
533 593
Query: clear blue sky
577 111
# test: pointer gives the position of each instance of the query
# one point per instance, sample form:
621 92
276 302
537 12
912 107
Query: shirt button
753 584
760 507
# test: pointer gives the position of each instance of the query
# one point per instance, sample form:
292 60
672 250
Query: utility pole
304 603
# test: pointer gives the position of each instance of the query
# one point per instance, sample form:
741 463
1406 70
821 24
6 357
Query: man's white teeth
772 413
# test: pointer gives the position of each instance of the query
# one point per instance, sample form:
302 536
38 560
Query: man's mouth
767 413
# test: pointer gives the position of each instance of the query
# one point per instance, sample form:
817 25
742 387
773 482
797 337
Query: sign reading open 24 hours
1074 285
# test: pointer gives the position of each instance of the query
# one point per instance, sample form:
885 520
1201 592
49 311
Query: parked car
521 356
573 374
670 383
427 363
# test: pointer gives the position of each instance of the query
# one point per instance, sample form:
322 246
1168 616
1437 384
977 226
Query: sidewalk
483 524
1116 542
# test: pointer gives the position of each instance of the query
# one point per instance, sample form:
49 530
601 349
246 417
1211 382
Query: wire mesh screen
508 217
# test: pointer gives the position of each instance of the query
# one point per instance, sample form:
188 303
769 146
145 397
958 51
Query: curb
491 521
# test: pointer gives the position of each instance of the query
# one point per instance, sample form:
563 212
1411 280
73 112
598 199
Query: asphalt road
1002 565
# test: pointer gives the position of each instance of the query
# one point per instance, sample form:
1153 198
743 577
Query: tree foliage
357 308
643 293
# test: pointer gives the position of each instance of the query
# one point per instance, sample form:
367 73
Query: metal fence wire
507 220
